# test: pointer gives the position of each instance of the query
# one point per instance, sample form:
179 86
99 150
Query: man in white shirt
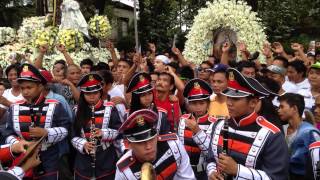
314 91
277 73
296 73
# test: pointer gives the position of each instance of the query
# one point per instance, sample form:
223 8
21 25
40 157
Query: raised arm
278 49
110 47
178 82
132 70
181 59
66 55
39 59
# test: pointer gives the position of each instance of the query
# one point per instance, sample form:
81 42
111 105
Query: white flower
7 35
236 15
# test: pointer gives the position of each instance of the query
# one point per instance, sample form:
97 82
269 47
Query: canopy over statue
72 18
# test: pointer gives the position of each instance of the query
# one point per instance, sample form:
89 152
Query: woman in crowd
95 130
143 98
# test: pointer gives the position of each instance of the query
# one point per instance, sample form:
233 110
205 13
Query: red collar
247 120
203 119
40 99
98 105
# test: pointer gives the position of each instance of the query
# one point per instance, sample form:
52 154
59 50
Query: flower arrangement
7 35
99 27
236 15
71 39
29 26
94 54
46 37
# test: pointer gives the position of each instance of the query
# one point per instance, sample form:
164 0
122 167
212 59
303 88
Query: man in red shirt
164 87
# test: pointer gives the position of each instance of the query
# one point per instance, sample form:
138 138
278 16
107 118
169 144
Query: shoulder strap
210 153
126 163
261 121
167 137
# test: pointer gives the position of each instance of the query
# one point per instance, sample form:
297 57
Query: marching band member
143 98
165 153
197 92
95 130
36 117
246 146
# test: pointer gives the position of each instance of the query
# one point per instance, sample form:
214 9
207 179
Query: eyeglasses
200 69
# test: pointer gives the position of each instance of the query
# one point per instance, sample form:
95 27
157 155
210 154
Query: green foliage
13 16
286 19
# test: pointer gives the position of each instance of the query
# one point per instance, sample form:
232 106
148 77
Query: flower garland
236 15
94 54
71 39
99 27
88 51
7 35
29 26
46 37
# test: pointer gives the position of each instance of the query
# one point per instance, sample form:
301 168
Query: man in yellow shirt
219 82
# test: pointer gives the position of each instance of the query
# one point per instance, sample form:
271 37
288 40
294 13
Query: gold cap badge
196 85
140 121
231 76
141 78
25 68
91 78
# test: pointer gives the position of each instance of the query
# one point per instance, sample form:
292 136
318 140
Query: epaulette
125 163
212 119
185 116
162 110
167 137
20 102
266 124
108 103
49 101
314 145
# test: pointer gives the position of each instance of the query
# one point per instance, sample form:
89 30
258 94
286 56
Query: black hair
284 60
60 62
5 82
269 84
107 76
130 63
222 71
13 66
86 62
174 65
186 72
155 73
208 63
136 104
101 66
269 111
83 114
299 66
245 64
293 100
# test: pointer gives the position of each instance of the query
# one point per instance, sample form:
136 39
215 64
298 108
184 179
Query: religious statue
72 18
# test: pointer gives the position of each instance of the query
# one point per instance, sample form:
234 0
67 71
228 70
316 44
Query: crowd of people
159 116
